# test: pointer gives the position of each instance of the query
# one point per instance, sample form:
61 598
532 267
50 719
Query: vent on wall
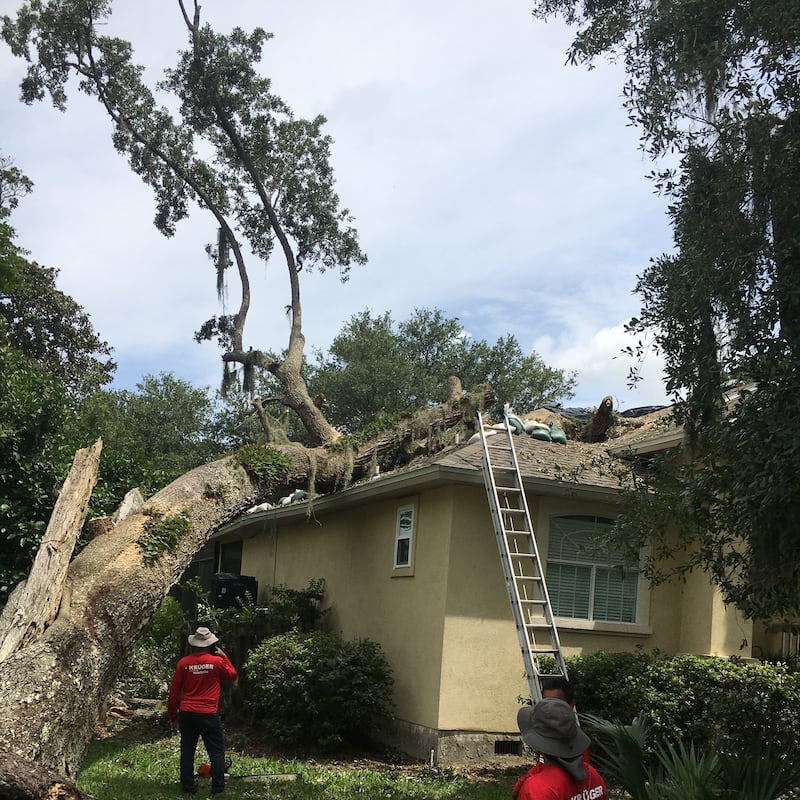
507 747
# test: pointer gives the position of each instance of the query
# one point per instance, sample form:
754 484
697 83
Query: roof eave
398 486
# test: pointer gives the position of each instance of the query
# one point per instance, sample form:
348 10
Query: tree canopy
232 147
151 435
378 366
715 89
50 328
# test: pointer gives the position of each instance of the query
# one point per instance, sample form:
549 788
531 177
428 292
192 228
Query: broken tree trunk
21 779
34 604
52 690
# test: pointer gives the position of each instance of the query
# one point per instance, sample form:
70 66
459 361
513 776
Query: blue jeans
208 726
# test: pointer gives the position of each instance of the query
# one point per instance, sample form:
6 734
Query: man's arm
228 670
174 699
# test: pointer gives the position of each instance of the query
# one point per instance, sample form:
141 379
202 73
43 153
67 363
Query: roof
573 462
575 467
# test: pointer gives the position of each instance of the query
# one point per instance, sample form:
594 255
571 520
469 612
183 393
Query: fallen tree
52 689
268 185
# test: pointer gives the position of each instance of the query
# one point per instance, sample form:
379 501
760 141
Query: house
410 560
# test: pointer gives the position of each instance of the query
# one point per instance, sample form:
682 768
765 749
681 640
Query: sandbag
515 423
557 434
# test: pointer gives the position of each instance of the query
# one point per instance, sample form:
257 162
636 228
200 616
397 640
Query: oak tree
714 87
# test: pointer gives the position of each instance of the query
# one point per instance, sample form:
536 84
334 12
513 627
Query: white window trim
405 568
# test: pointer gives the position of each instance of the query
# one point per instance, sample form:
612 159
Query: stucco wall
445 624
482 668
709 627
353 551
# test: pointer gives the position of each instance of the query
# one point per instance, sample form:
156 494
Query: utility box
227 588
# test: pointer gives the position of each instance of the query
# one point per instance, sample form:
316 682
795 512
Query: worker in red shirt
552 686
551 729
193 706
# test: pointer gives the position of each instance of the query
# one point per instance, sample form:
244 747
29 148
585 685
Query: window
230 557
587 578
403 537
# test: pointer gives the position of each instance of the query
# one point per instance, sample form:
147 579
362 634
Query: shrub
721 703
705 702
316 688
602 682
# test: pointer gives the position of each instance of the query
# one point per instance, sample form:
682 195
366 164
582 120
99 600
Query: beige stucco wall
353 551
445 625
482 668
708 626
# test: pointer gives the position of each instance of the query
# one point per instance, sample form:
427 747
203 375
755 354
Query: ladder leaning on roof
519 556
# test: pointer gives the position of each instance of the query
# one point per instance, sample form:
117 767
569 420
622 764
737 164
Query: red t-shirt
539 766
551 782
195 684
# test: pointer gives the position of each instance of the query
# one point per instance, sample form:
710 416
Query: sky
487 178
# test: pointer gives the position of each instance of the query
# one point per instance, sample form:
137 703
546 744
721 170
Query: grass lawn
140 762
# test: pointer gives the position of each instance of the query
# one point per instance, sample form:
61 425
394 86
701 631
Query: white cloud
597 356
486 178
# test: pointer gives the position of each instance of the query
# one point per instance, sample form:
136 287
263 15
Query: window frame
640 625
405 567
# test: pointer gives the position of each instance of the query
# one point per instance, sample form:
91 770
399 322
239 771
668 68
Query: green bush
710 703
315 688
602 682
721 703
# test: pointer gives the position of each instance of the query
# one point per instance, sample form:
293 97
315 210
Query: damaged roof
577 463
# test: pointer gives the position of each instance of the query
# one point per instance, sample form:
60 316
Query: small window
230 557
403 537
586 577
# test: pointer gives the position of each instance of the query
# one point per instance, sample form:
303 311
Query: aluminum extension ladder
519 556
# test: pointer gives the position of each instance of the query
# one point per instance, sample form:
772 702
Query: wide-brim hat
550 727
202 637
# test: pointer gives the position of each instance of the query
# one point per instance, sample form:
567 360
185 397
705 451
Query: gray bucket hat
202 637
550 727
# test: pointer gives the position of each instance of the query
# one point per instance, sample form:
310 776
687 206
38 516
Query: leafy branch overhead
267 181
714 87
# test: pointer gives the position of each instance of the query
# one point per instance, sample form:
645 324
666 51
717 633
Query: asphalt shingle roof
573 462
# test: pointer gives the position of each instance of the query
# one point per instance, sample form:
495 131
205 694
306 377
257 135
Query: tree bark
21 779
34 605
52 690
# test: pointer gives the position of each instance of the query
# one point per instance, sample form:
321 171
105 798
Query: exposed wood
36 606
99 526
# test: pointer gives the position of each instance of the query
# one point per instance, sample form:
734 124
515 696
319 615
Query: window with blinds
586 577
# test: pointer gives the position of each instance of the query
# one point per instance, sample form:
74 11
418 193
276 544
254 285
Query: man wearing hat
551 729
193 704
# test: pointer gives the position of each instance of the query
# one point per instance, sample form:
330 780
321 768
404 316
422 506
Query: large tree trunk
52 690
21 779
